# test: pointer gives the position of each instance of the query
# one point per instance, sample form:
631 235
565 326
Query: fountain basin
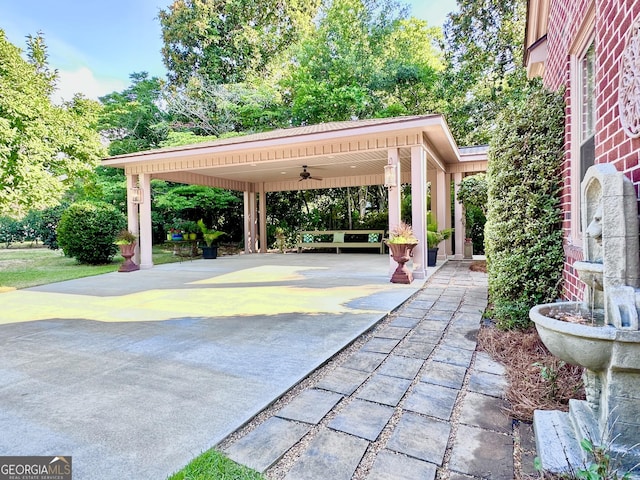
578 344
591 274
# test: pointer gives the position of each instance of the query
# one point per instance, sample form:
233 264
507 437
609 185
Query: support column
146 235
263 219
394 199
447 224
133 217
441 193
248 238
419 209
253 209
458 222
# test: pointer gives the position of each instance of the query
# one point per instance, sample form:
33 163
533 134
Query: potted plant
434 237
127 243
191 229
280 238
401 242
209 235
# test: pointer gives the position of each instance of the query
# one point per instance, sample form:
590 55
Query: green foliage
87 231
523 231
45 224
550 374
44 148
125 237
209 235
11 231
402 234
214 465
132 119
227 41
483 48
602 467
435 236
472 193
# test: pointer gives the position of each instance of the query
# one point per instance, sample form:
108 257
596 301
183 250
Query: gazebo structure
387 151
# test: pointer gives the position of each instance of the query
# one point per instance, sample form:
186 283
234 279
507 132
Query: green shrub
87 231
523 236
11 231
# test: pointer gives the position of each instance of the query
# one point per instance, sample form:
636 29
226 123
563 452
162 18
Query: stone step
558 449
585 423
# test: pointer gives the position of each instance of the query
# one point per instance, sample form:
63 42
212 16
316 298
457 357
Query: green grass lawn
28 267
213 465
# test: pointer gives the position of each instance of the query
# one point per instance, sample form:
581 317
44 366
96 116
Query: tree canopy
227 40
44 147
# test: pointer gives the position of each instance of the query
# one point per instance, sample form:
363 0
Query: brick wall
613 18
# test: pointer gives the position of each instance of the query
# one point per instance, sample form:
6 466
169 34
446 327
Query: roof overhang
341 153
535 46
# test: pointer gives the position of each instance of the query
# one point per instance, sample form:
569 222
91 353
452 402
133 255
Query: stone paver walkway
415 400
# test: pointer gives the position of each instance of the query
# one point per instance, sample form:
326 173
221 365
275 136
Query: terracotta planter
127 251
401 253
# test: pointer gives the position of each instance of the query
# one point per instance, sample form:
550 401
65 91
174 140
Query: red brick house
591 48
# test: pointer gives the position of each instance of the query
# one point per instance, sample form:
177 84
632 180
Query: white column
133 217
247 222
394 199
447 217
146 236
419 209
263 219
441 208
253 215
458 223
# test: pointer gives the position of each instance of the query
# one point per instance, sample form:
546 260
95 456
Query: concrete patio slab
134 374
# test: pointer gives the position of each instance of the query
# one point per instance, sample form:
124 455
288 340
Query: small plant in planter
127 243
434 237
401 242
209 235
191 229
280 238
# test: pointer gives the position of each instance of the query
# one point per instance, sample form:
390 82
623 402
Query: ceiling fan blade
315 178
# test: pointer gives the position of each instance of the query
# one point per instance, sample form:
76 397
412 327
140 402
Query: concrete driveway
133 374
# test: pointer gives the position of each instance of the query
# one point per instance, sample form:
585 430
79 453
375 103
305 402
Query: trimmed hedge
87 231
523 235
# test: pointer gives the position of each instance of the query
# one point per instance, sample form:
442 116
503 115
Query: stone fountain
608 344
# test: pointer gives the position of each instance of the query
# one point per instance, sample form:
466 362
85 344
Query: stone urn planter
401 253
127 241
401 243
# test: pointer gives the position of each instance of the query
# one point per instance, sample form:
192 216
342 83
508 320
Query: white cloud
84 81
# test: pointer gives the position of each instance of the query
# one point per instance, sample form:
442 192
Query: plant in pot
209 235
127 243
401 243
280 238
434 237
191 229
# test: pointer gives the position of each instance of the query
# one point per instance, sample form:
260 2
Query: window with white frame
587 109
583 122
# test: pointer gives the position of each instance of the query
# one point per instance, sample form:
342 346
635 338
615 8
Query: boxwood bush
523 236
87 231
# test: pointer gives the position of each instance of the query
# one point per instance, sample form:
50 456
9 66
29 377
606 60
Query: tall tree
132 120
226 40
44 148
483 47
334 67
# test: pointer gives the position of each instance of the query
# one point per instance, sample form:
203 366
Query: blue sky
95 45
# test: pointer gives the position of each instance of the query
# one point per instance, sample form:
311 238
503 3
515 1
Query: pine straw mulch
537 379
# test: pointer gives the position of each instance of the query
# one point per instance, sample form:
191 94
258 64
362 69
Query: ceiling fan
305 175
